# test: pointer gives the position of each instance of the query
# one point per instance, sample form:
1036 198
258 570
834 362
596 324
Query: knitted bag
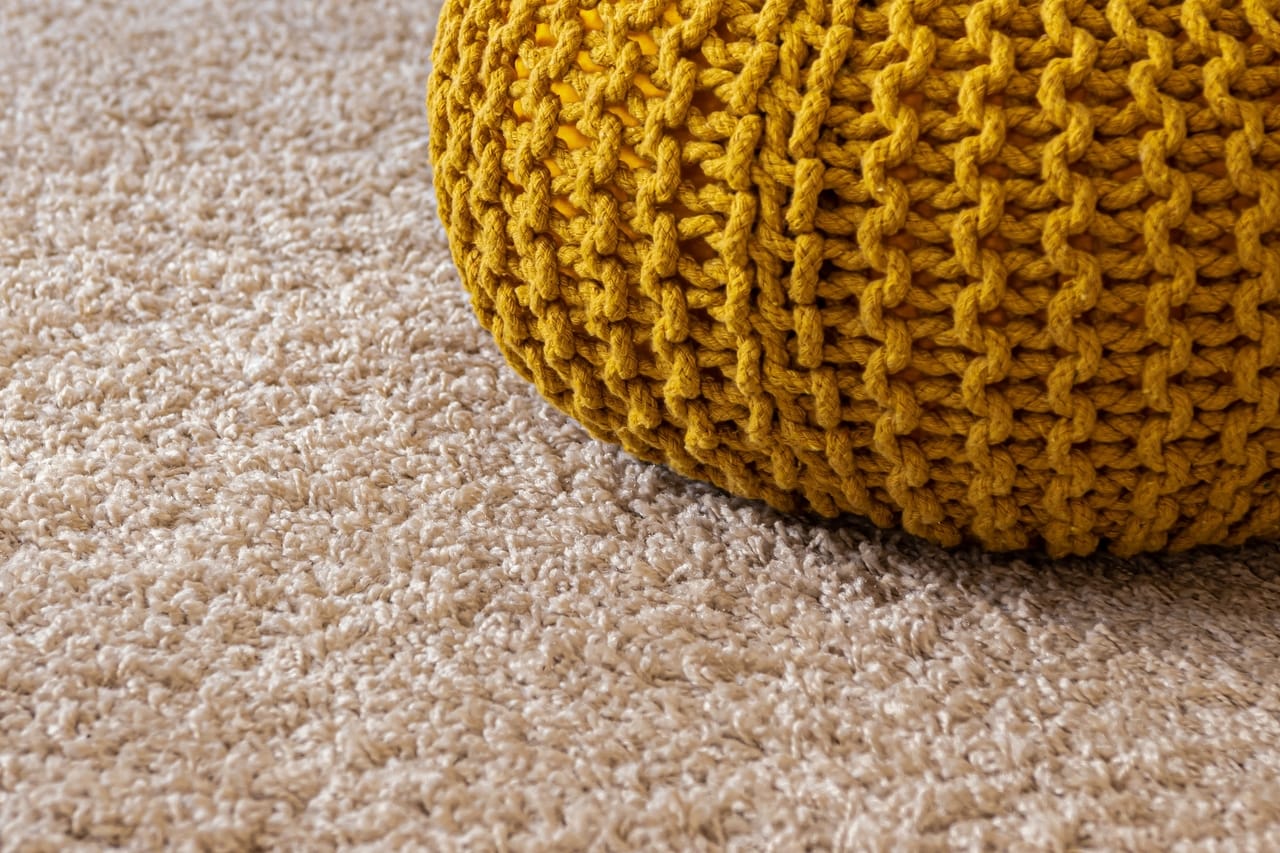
985 270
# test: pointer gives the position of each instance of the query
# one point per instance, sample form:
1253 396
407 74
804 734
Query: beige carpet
290 560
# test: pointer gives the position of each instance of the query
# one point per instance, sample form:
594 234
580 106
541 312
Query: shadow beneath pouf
1215 606
1204 590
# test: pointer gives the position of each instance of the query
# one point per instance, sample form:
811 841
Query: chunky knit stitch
991 270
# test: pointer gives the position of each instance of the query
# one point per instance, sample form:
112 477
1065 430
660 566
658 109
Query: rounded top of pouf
993 271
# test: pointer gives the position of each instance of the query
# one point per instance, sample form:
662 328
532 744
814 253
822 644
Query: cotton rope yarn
988 271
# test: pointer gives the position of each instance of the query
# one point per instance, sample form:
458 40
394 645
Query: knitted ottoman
988 271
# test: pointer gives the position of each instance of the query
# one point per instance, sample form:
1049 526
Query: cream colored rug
289 559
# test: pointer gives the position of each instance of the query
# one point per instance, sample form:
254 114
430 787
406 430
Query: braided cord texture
985 270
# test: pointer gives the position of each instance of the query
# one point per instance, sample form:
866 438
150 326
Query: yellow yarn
985 270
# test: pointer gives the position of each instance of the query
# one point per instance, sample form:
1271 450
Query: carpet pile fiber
290 559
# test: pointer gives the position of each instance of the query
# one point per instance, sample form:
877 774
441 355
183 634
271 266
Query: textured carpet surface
289 559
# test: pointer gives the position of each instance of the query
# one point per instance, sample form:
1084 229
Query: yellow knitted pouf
989 271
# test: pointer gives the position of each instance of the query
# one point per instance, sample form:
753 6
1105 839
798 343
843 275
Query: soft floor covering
290 559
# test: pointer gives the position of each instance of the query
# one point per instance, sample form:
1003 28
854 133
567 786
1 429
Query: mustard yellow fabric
989 271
